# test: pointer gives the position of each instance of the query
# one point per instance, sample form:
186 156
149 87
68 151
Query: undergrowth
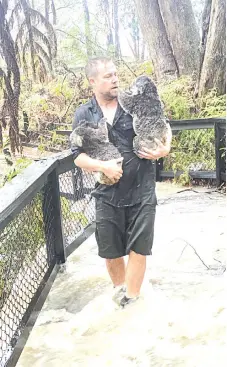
191 149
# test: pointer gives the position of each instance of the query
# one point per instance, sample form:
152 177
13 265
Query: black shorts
122 229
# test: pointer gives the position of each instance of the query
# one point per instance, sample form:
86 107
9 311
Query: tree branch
188 244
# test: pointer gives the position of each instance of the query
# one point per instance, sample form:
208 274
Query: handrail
16 194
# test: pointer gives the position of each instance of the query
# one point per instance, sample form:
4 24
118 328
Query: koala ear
135 91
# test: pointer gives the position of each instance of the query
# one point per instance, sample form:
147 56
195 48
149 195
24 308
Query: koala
142 102
95 143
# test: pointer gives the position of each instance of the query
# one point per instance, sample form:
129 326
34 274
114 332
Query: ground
180 319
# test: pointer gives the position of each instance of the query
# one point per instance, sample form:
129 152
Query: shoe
126 301
119 292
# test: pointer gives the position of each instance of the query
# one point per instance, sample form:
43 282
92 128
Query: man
125 211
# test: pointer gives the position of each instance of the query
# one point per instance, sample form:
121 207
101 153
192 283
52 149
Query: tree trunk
54 12
205 29
87 28
142 51
47 9
183 33
106 8
136 37
116 28
1 136
11 79
26 8
154 33
213 72
31 43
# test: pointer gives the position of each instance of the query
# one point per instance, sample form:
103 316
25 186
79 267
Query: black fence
219 126
45 213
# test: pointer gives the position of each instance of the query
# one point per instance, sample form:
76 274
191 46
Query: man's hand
112 169
161 151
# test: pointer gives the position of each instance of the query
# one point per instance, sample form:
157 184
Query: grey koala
95 142
142 102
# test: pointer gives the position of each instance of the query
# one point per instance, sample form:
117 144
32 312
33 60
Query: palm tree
9 79
49 4
30 40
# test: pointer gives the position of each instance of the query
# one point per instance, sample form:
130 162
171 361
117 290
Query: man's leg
116 270
140 233
110 228
135 274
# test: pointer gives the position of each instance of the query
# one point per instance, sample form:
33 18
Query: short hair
91 67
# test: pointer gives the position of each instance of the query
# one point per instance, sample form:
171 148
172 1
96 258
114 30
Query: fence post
217 153
52 207
159 168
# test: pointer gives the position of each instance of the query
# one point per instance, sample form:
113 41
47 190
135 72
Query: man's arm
88 163
112 169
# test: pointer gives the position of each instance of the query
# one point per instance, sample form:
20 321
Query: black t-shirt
138 180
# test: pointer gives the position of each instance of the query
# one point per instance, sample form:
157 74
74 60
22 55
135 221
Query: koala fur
95 143
142 102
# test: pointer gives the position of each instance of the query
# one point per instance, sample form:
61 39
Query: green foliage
212 105
51 106
68 214
72 48
60 87
193 146
178 98
127 72
145 67
19 165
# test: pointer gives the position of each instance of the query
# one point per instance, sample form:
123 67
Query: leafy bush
212 105
178 98
190 147
19 165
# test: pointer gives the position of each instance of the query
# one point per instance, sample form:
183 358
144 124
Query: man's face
105 82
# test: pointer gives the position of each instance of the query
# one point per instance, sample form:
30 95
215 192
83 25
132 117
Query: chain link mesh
77 205
26 251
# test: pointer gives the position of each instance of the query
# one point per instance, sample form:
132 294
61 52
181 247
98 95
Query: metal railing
219 126
45 213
